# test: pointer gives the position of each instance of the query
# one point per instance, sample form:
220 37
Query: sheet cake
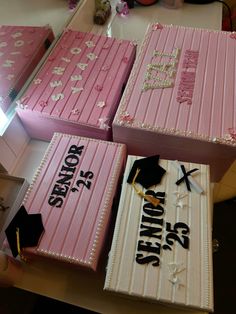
180 98
21 49
78 89
73 189
163 253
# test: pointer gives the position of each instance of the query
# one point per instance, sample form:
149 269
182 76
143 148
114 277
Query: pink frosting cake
78 89
180 97
162 252
73 189
21 48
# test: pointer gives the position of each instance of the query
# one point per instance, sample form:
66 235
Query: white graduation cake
162 245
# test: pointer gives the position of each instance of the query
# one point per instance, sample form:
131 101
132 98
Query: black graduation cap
149 171
29 228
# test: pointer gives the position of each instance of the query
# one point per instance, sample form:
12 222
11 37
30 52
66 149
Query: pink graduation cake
180 98
162 243
73 190
21 48
78 89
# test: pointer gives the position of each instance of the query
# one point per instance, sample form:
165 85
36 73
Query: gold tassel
151 199
18 244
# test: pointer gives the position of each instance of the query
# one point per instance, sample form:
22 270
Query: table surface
70 284
134 25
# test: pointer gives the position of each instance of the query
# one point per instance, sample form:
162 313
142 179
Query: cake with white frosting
161 249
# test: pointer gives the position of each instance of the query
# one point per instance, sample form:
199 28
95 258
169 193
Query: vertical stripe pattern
75 228
191 285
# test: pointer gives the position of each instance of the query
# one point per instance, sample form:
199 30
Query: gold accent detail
153 200
18 244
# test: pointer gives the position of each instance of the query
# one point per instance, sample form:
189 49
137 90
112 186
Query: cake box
73 189
78 89
21 49
163 253
180 98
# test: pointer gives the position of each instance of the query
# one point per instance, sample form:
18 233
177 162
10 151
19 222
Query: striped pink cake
180 98
73 189
78 89
21 48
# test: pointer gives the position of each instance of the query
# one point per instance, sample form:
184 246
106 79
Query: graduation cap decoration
147 172
23 231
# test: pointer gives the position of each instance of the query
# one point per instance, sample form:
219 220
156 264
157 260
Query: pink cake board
79 87
75 221
21 48
180 98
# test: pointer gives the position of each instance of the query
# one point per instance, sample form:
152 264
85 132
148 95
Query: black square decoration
150 173
30 228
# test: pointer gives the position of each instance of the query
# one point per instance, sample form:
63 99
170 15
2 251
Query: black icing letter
159 195
150 232
147 247
65 178
150 210
67 169
55 201
140 259
77 150
71 160
152 220
60 190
